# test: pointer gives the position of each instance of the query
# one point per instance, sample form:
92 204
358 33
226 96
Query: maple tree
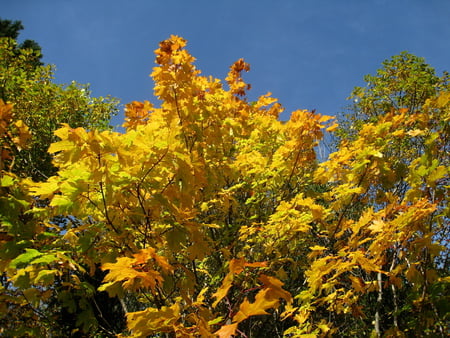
211 217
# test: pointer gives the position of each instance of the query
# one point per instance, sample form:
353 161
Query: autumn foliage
209 216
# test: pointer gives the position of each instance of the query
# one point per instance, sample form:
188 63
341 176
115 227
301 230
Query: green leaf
25 258
45 259
61 201
112 288
46 277
437 174
7 181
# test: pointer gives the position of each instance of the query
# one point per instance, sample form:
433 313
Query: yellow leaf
437 174
413 275
32 295
236 266
45 189
148 254
60 201
266 298
46 277
333 127
377 226
443 99
24 134
325 118
60 146
71 237
324 327
364 262
63 132
227 331
274 286
415 132
317 248
152 320
444 279
357 283
200 298
134 273
263 301
302 316
223 290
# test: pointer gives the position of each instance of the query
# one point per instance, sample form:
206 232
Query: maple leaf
274 286
151 320
268 297
263 300
24 134
137 272
236 266
222 291
227 331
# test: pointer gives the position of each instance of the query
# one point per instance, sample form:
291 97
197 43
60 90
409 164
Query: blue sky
309 54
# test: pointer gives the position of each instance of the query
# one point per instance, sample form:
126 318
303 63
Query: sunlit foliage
211 217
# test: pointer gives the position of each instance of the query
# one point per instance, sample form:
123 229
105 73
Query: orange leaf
274 285
137 272
357 283
227 331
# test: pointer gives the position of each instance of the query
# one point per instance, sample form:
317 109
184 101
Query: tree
11 29
36 107
379 261
44 105
404 81
405 88
210 217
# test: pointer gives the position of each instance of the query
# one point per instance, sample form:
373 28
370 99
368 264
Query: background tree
405 81
405 84
404 88
42 104
11 29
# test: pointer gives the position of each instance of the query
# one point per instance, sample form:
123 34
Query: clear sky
309 54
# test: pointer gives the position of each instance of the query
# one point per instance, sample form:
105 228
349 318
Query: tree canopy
210 217
42 104
11 29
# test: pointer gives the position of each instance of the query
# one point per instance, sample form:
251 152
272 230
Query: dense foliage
211 217
42 104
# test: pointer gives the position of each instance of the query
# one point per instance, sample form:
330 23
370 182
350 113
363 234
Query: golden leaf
236 266
223 289
357 283
263 301
274 286
151 320
227 331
